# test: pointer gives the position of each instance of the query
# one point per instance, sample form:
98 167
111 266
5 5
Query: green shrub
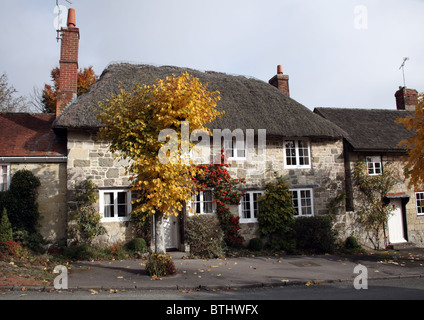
205 236
6 233
138 245
315 234
351 245
21 201
141 224
276 215
82 252
276 209
285 242
160 265
33 241
256 244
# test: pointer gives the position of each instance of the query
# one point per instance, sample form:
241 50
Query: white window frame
252 208
374 164
233 152
419 198
5 183
115 193
200 199
297 154
300 208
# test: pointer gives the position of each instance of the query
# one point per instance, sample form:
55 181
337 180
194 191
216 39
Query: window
115 205
202 203
419 196
235 149
249 206
297 154
374 165
4 177
303 202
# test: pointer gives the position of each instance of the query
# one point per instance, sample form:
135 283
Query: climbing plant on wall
217 178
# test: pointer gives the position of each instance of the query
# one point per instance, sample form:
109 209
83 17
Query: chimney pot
280 81
406 99
71 23
279 69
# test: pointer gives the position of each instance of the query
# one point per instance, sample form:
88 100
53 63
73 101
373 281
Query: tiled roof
29 135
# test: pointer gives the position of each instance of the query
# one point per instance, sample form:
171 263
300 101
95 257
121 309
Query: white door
171 232
395 223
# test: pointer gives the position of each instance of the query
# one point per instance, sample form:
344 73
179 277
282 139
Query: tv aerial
403 72
60 21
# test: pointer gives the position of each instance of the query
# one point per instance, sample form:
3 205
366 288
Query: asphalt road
393 289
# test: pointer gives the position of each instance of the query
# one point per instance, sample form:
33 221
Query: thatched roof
248 103
369 129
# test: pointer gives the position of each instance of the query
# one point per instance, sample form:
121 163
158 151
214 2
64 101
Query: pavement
241 272
244 272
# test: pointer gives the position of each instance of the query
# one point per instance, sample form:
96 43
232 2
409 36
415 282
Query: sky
337 53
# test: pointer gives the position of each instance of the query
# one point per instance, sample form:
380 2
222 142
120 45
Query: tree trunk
159 233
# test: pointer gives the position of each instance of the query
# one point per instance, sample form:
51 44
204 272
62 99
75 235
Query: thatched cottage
310 155
373 136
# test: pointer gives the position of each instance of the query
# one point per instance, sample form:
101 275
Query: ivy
86 224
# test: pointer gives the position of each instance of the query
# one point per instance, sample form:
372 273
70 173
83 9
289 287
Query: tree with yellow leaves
143 123
414 167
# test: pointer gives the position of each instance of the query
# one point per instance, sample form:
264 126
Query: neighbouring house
373 137
27 141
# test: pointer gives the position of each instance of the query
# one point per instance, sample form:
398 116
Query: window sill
120 219
297 167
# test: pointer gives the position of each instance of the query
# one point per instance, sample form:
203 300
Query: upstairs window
235 149
297 154
374 165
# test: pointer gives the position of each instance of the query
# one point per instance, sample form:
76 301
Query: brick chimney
406 99
68 63
280 81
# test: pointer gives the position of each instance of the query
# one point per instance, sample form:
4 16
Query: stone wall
90 158
325 177
51 197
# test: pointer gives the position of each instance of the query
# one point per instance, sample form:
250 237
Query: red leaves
217 178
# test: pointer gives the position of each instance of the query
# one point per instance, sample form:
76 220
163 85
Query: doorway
395 223
171 231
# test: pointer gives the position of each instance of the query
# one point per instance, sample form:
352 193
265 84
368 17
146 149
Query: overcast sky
340 53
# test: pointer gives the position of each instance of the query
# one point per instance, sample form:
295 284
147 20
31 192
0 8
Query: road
394 289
